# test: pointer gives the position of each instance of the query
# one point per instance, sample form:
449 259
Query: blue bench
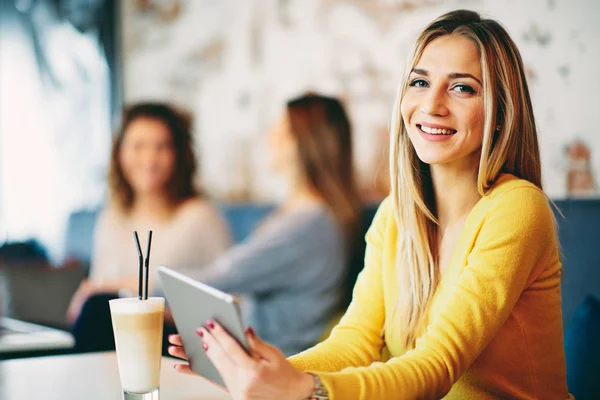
579 234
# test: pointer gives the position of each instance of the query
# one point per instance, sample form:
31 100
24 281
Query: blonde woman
462 272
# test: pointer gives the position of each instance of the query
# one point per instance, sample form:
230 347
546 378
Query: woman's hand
85 290
267 374
176 350
89 287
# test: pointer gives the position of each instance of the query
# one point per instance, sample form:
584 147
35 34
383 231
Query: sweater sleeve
512 241
265 261
357 340
198 235
203 236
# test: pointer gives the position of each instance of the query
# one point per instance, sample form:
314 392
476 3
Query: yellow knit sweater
493 329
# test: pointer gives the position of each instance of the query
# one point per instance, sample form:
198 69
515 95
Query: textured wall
234 63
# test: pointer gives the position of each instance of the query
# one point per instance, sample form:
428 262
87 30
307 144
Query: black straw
141 262
147 264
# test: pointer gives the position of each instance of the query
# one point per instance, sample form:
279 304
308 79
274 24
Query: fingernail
205 346
200 332
251 332
210 324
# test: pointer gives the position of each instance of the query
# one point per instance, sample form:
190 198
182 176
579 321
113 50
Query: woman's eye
463 89
135 145
164 146
418 83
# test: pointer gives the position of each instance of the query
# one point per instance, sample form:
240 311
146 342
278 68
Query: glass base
153 395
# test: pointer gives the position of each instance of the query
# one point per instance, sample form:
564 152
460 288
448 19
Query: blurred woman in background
151 187
293 267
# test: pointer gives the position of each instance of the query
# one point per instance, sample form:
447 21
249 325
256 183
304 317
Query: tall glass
138 329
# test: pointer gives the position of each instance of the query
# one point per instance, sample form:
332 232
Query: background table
19 336
92 376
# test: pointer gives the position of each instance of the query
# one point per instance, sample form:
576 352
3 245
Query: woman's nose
434 103
148 156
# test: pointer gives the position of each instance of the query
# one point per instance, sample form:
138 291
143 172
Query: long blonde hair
513 148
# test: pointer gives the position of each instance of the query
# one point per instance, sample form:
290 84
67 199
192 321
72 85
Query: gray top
292 269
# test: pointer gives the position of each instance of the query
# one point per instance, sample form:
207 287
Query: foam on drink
138 330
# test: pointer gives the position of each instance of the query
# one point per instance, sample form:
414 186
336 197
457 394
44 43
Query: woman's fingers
178 352
215 352
184 369
175 340
230 345
262 349
72 313
75 307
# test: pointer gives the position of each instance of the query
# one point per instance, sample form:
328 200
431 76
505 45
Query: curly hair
179 124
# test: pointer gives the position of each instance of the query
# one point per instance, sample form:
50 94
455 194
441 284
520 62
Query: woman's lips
435 134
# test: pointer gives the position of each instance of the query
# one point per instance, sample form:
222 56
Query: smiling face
442 107
147 156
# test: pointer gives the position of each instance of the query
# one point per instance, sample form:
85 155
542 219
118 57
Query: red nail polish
251 332
205 346
210 324
199 332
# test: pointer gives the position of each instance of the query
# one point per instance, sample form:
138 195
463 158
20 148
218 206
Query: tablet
192 303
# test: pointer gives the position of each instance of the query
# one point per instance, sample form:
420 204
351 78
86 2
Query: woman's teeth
435 131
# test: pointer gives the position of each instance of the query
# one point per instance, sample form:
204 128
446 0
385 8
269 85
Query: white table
92 376
23 336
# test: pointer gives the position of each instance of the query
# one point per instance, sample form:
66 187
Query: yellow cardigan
494 327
